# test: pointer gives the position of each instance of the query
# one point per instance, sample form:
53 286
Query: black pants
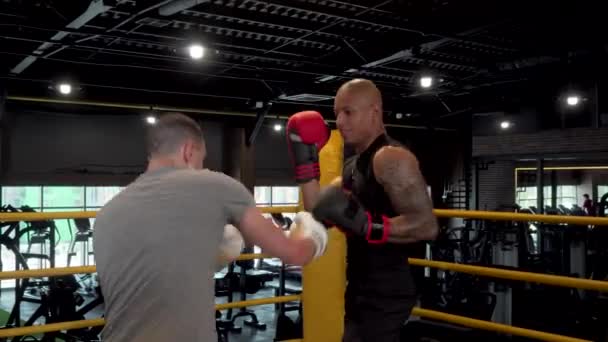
374 319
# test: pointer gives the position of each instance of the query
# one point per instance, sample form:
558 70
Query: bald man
381 204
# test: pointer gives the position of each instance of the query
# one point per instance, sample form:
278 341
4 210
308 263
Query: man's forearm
310 194
414 228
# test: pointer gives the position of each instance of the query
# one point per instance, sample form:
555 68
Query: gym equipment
60 302
10 238
58 297
39 233
246 281
249 283
286 328
84 238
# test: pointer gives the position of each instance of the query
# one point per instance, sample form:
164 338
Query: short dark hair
585 195
170 131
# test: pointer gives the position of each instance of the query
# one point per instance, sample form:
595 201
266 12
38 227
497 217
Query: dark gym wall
576 140
98 149
272 158
57 148
51 148
101 149
497 183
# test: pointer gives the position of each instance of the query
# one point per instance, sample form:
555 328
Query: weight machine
57 297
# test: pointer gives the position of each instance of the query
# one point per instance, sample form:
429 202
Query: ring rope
444 213
430 314
571 282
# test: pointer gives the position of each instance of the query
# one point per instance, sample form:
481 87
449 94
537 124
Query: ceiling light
151 120
505 124
278 127
65 88
426 81
196 51
572 100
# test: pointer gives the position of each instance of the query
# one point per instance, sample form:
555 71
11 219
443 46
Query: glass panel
18 196
98 196
262 195
66 230
567 195
282 195
63 196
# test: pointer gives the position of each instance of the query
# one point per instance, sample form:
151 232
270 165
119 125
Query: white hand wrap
231 246
308 227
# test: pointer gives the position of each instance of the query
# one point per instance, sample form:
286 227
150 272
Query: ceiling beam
96 7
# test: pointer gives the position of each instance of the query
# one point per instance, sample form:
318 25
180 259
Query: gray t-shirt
156 244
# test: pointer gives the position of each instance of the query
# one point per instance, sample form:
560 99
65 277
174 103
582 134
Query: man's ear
186 151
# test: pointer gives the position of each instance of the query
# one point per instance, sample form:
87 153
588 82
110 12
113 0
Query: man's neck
364 146
160 163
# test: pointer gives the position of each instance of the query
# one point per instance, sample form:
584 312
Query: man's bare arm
295 249
396 169
310 194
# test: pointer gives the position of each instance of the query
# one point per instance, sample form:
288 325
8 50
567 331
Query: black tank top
374 269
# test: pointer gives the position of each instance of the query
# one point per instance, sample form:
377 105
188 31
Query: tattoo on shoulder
396 169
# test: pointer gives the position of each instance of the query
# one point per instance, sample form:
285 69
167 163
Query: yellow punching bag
324 280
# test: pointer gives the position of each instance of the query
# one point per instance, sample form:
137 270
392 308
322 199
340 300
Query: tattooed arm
396 169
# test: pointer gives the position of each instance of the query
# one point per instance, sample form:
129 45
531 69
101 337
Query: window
18 196
276 195
285 195
601 191
566 195
69 197
97 196
263 195
526 197
53 199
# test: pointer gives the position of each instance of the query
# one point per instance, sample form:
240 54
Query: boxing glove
305 226
230 247
307 133
335 207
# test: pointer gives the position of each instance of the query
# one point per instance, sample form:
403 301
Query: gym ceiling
483 56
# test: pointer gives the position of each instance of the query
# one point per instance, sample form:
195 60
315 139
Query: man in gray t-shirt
156 242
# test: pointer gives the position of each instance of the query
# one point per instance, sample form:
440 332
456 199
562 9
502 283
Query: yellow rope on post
252 256
46 328
506 216
279 210
40 329
62 215
425 313
587 284
491 326
259 301
47 272
59 215
467 214
530 277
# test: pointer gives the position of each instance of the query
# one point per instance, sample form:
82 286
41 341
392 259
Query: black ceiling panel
482 54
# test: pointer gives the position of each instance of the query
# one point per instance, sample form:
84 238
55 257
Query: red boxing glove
307 133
